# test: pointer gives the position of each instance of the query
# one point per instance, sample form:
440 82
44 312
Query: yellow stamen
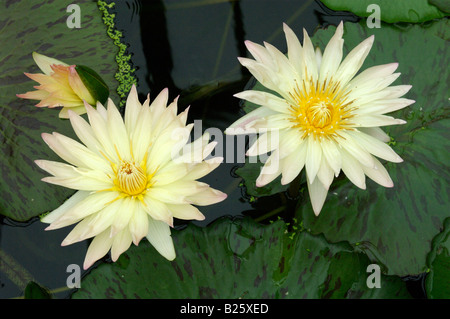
131 178
320 109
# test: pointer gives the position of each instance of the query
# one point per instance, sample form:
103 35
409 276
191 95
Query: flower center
319 114
320 109
131 178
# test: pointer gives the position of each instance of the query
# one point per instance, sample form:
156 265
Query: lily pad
40 27
438 279
395 226
249 172
240 259
391 11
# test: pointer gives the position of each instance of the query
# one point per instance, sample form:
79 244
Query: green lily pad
240 259
396 225
249 172
40 27
36 291
391 11
437 283
443 5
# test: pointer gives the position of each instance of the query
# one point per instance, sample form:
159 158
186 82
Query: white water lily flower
132 176
327 119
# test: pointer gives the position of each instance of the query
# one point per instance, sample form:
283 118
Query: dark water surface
191 47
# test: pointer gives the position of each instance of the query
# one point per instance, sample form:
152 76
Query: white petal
284 68
376 147
123 215
379 174
117 131
295 51
83 183
101 110
156 207
373 86
383 106
78 232
333 156
139 224
186 212
270 170
91 204
262 73
265 143
98 248
100 221
353 61
159 104
44 62
60 150
196 151
85 157
318 57
376 120
370 76
288 141
309 58
313 158
74 178
355 150
141 133
198 170
266 99
159 236
376 132
325 173
318 194
98 124
260 53
397 91
207 197
332 55
170 173
353 170
121 242
243 125
84 131
293 164
66 206
132 109
272 122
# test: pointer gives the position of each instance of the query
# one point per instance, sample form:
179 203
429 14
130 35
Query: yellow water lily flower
65 85
326 116
132 176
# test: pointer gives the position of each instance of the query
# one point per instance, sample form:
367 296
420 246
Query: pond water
189 46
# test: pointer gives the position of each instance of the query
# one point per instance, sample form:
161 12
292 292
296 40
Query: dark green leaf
94 83
35 291
443 5
249 172
390 11
438 280
240 259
